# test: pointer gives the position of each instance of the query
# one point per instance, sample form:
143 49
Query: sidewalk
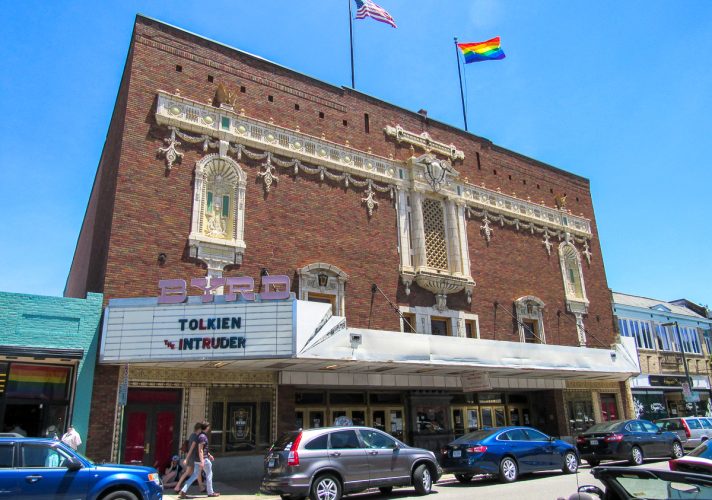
226 491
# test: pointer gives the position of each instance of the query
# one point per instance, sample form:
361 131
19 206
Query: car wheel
570 462
677 450
464 478
422 480
593 462
326 487
386 490
120 495
636 456
508 470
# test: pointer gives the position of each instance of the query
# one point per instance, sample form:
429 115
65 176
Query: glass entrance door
465 419
492 416
517 415
389 420
357 416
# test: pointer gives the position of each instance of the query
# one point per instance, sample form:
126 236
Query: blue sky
618 92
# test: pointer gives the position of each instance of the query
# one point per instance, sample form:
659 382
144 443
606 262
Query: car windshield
605 427
477 435
702 451
654 488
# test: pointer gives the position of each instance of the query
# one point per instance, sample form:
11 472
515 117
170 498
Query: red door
135 433
151 429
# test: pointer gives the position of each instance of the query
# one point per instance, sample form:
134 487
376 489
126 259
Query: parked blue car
34 468
507 452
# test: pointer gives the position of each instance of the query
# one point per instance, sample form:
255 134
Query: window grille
435 245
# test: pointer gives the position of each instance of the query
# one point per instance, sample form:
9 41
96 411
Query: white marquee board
138 330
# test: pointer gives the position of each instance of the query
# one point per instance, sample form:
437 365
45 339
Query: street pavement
540 486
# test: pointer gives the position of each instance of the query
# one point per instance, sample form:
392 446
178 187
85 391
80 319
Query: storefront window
650 405
580 416
430 419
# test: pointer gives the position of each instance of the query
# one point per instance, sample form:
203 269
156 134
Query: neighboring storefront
661 396
47 357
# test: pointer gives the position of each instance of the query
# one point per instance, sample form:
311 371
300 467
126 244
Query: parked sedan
506 452
632 440
329 462
698 460
34 468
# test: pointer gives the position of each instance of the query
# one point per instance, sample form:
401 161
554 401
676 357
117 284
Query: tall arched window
571 271
216 235
576 301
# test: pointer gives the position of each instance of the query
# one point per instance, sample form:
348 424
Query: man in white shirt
71 438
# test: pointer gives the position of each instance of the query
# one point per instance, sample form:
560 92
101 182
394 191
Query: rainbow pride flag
482 51
37 381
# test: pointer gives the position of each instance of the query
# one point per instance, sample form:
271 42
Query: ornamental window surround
574 286
530 319
432 321
217 222
321 282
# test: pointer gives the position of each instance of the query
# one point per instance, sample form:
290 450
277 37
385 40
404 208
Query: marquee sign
228 320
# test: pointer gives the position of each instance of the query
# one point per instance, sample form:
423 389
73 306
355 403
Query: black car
627 483
632 440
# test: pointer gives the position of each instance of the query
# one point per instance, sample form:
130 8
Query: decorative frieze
318 156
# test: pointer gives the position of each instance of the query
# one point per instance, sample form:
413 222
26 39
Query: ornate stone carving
268 176
486 229
369 201
170 151
424 142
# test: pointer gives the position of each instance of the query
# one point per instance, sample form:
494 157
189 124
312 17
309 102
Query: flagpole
351 38
459 75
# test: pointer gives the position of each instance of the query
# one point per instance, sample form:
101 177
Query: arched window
216 235
571 271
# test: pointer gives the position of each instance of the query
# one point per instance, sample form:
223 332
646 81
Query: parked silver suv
329 462
692 430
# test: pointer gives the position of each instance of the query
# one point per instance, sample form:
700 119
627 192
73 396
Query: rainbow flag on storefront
37 381
482 51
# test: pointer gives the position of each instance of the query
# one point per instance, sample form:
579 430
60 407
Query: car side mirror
591 490
73 464
660 431
552 439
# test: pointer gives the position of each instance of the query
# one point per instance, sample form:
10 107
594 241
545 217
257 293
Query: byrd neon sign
273 288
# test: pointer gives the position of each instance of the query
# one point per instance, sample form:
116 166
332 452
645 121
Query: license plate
270 463
594 442
456 453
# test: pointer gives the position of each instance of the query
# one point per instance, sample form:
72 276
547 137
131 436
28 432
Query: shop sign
274 288
666 380
475 382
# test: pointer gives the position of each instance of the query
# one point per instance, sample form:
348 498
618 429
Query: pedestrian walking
204 463
191 456
71 438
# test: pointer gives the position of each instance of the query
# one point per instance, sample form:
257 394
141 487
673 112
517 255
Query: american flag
366 8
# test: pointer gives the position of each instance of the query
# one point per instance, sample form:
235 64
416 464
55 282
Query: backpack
185 447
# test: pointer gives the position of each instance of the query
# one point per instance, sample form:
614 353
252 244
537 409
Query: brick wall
103 413
303 220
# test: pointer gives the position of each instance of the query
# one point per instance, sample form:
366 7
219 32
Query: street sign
124 385
686 390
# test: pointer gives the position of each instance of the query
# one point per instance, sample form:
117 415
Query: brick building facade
218 163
